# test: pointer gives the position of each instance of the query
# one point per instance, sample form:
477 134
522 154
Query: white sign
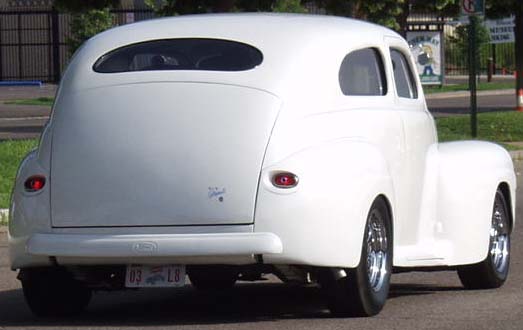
129 18
425 47
501 30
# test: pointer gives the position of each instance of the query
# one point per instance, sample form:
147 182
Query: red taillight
285 180
34 183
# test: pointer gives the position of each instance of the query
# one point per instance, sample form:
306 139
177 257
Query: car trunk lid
159 154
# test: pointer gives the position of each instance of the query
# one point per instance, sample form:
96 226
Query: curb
37 83
4 213
446 95
517 155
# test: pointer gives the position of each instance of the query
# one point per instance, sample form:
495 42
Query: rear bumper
228 248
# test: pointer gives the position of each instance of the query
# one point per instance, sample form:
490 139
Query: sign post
473 8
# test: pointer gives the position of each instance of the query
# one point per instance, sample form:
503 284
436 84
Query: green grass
500 127
11 153
483 86
43 101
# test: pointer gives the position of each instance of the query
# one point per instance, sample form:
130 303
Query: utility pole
473 9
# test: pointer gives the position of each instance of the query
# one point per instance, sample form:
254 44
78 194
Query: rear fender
469 174
29 212
321 221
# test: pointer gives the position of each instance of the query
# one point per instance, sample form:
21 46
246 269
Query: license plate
151 276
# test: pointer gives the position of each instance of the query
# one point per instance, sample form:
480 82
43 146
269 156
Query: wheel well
391 215
505 190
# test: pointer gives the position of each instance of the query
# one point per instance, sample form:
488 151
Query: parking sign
472 7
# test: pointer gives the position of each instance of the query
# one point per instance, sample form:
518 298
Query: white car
229 146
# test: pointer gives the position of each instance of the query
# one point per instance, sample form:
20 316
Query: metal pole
518 31
472 76
20 63
494 59
1 59
56 45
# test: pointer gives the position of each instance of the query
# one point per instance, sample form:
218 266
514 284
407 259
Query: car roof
290 44
257 28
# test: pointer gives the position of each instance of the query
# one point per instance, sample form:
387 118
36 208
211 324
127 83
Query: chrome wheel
377 251
499 240
363 291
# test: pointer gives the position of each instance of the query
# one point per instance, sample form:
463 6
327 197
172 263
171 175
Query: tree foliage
86 24
288 6
460 41
181 7
384 12
77 6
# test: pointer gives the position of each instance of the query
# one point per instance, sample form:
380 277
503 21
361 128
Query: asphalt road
417 301
460 103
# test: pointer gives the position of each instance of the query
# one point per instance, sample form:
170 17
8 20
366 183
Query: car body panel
346 151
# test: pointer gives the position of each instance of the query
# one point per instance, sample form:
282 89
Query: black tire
493 271
359 294
213 277
53 292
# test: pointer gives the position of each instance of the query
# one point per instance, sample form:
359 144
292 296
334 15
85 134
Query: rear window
180 54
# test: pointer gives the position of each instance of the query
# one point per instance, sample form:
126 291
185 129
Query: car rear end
148 173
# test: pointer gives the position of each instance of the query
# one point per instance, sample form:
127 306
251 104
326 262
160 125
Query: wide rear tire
53 292
364 289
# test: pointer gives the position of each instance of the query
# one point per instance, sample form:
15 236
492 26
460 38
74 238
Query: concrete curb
447 95
517 155
4 213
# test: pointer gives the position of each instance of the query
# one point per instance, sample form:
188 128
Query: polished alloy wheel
499 240
377 251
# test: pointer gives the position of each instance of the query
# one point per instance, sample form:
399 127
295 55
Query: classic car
230 146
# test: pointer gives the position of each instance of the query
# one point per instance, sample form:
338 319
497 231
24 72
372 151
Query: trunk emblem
145 247
216 193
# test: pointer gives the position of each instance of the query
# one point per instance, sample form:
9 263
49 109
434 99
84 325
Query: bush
86 24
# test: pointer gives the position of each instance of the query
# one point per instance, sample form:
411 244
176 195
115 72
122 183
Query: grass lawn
11 153
492 126
44 101
483 86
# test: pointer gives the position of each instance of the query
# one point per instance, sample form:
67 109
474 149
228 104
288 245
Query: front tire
53 292
364 291
493 271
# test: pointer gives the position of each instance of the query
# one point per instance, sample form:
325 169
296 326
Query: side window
403 76
361 73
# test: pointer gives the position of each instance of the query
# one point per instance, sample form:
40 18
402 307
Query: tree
89 17
460 41
181 7
384 12
77 6
288 6
86 24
